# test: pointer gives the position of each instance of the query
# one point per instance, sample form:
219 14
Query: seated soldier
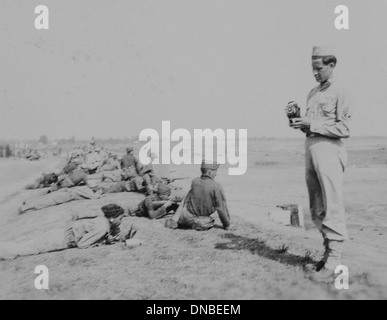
204 198
147 174
130 164
157 205
139 177
92 142
86 229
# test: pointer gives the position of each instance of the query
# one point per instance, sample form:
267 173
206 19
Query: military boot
312 267
327 272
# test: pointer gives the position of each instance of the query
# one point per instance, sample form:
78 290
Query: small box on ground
288 214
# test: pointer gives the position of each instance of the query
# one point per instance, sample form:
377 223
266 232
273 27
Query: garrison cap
322 51
128 149
212 166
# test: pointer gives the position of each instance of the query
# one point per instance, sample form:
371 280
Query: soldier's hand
300 123
168 203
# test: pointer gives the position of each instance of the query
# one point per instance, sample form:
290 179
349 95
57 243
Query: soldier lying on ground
125 186
58 197
45 181
204 198
109 171
157 205
87 229
122 186
68 177
112 176
33 155
75 178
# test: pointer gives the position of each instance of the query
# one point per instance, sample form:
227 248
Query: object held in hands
171 180
293 111
129 241
129 234
177 199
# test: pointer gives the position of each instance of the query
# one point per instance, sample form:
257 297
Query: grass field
257 259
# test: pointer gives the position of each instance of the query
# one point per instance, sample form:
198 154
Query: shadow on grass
259 247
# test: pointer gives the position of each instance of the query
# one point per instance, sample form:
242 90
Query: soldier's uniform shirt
207 197
87 232
70 167
147 207
122 186
130 165
78 176
329 111
130 160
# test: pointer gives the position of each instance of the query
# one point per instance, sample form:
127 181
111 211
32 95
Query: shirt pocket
328 105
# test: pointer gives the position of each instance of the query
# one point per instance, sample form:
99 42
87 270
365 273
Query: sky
110 69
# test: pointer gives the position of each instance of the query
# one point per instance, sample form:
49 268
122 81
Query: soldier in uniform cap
87 228
139 177
204 198
130 164
325 124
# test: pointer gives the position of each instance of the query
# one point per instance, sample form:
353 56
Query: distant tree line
5 151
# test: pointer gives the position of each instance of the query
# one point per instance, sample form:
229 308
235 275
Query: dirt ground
257 259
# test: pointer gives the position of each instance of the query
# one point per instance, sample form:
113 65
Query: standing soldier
326 122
